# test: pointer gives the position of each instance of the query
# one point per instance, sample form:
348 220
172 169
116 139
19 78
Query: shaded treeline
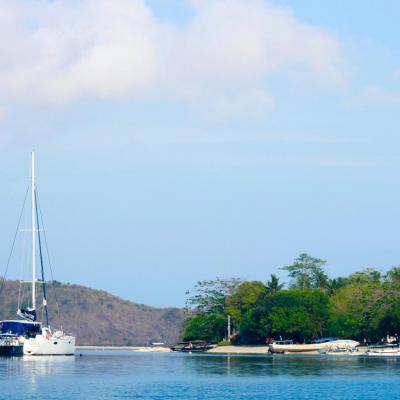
364 306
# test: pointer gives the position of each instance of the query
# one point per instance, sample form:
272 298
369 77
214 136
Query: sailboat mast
33 187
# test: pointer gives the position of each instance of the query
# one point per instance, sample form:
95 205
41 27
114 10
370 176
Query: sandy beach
216 350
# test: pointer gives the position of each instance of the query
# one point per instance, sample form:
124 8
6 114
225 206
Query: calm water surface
127 375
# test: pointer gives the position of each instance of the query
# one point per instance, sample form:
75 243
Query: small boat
383 353
383 350
11 345
335 351
287 346
38 338
194 346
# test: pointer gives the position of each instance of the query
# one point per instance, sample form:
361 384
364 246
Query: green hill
97 317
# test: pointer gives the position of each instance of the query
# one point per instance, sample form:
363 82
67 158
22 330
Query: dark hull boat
195 346
11 347
12 351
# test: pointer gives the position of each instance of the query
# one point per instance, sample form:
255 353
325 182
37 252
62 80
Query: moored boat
288 347
383 350
11 346
333 351
37 338
195 346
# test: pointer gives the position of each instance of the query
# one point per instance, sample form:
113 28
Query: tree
251 331
209 296
208 327
389 324
207 303
393 275
364 305
297 314
273 286
243 298
368 275
337 283
307 272
358 310
320 280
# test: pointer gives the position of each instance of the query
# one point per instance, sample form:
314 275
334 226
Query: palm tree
273 285
321 280
394 274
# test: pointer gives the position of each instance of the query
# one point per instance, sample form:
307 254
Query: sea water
130 375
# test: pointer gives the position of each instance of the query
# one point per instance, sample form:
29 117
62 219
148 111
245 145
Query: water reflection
120 364
283 365
31 367
105 375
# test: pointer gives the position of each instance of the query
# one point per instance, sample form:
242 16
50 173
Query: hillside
99 318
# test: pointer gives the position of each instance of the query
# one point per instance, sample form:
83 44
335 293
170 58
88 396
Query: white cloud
59 51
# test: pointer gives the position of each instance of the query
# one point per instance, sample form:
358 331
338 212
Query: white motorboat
383 351
38 338
331 344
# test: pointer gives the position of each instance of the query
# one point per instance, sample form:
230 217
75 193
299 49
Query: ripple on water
128 375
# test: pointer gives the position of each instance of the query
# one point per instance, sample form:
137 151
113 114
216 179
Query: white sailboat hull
53 346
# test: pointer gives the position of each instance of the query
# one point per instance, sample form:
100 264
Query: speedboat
383 350
287 346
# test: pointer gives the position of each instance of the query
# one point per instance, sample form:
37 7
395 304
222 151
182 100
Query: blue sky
185 140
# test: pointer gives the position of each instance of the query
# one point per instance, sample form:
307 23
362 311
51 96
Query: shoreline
265 350
158 349
149 349
249 350
216 350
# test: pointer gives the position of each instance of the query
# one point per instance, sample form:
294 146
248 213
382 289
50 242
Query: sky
184 140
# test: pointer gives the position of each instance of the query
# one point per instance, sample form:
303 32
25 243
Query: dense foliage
363 306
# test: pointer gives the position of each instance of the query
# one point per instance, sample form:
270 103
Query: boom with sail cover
27 313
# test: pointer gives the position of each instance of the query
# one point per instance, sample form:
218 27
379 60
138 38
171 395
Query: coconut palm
273 285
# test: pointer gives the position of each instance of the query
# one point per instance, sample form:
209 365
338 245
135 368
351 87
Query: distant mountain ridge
97 317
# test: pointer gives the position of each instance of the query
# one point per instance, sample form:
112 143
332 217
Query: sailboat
37 337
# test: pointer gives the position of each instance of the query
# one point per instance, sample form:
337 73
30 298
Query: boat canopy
20 328
283 341
324 340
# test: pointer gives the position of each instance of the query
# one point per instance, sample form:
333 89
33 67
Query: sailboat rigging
37 337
